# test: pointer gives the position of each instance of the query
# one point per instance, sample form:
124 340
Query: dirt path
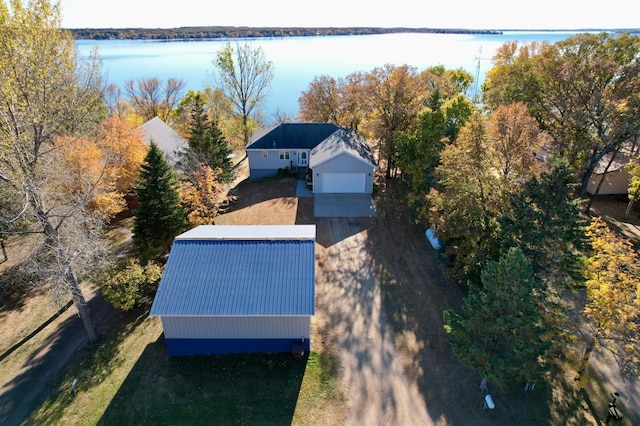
349 304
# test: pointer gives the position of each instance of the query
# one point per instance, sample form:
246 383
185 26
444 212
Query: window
265 154
284 155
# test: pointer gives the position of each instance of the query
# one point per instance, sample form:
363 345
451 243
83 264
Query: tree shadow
39 381
249 193
415 292
207 389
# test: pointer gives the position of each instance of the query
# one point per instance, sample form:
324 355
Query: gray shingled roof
167 139
292 136
342 140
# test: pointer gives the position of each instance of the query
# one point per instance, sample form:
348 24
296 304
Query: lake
297 60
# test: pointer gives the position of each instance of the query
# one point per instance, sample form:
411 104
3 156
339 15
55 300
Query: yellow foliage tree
613 295
204 197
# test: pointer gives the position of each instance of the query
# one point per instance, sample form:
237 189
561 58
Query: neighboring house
233 289
167 139
616 180
338 159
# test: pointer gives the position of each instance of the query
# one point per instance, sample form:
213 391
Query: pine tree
499 332
207 144
160 216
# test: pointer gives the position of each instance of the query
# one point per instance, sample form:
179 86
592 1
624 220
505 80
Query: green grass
130 376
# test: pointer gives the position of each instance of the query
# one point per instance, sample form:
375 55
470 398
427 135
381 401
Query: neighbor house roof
216 270
341 141
167 139
292 136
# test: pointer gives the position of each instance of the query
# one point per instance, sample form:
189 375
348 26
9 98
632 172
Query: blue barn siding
182 347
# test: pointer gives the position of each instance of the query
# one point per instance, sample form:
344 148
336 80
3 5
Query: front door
302 160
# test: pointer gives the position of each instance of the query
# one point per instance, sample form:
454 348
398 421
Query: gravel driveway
349 305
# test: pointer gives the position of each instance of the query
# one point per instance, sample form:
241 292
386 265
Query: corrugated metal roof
237 278
250 232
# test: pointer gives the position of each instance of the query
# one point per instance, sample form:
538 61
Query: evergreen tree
207 144
499 332
160 216
545 223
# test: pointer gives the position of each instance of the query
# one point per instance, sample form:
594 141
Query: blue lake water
297 60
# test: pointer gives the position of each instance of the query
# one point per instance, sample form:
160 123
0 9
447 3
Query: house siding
343 163
615 183
261 167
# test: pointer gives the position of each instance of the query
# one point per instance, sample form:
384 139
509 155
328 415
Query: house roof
167 139
292 136
239 271
342 140
618 163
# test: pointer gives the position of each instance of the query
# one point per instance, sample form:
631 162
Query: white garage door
343 183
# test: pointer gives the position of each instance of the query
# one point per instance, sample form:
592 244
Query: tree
207 144
634 185
544 220
613 296
204 197
514 137
47 90
583 91
394 97
321 102
150 98
244 75
467 200
499 331
128 282
160 216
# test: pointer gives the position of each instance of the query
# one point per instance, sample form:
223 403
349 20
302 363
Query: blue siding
181 347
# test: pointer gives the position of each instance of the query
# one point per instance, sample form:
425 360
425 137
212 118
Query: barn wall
218 335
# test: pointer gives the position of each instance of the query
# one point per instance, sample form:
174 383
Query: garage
343 183
237 289
342 164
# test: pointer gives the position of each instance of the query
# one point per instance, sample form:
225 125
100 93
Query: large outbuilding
338 159
233 289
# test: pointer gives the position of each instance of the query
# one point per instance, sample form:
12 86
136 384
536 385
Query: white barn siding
237 327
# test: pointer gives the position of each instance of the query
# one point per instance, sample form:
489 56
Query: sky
468 14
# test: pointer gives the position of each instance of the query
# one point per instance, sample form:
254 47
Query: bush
127 283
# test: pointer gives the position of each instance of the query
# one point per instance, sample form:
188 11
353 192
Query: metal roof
229 277
250 232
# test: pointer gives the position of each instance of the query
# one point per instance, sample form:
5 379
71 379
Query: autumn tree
320 103
48 90
203 197
499 330
394 97
613 297
244 75
465 204
633 169
514 138
160 216
151 98
582 90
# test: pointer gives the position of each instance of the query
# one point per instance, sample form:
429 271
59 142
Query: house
337 159
616 180
233 289
167 139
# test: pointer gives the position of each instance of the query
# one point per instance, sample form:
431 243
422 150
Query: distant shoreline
222 32
218 32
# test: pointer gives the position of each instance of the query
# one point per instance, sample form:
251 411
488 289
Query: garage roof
237 272
341 141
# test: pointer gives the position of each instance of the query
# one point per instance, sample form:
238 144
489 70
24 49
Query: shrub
128 283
